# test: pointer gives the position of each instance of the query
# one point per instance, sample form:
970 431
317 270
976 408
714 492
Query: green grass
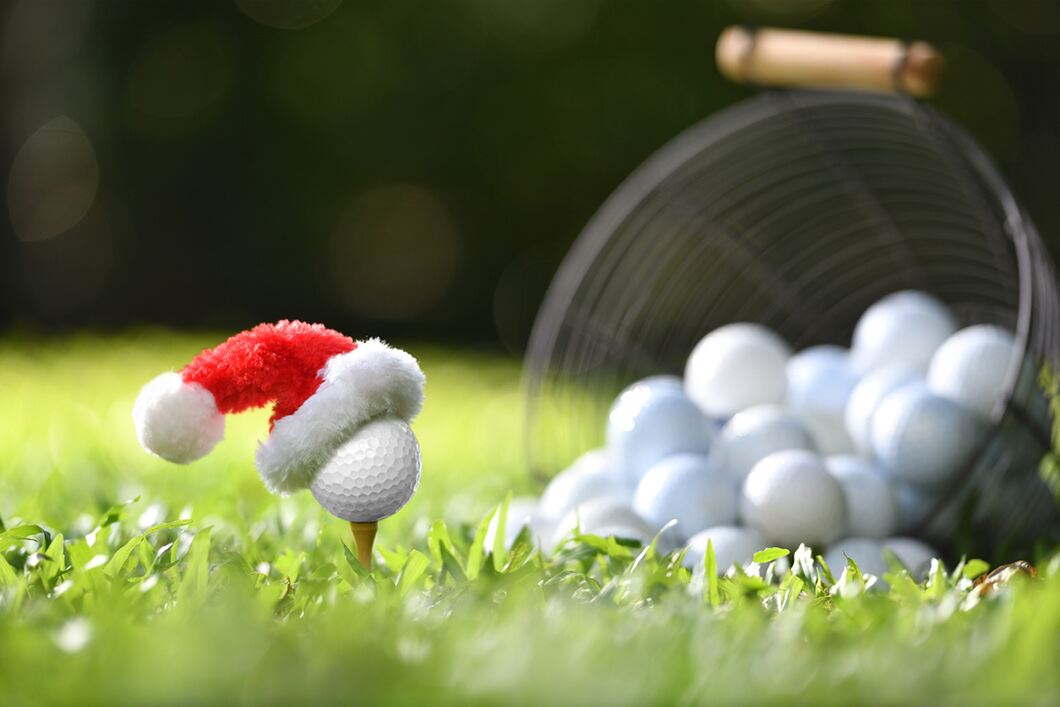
206 589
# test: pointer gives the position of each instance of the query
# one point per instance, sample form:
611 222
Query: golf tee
364 539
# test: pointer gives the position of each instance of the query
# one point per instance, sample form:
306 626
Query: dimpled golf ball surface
650 422
373 474
689 488
790 498
866 397
820 380
902 328
737 366
733 545
754 434
921 437
871 511
971 366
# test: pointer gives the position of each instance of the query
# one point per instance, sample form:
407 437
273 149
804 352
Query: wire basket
798 209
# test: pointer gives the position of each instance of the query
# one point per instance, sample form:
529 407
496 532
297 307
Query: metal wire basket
798 209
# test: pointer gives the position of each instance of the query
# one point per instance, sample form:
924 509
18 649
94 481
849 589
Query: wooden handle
364 539
781 57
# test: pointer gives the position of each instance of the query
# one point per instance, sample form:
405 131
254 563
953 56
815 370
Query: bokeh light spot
178 74
288 14
53 181
394 253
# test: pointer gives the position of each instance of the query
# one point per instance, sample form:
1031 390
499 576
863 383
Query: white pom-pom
178 421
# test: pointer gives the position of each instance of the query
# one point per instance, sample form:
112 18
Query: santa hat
323 385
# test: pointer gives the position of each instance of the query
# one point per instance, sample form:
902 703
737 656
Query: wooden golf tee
364 539
781 57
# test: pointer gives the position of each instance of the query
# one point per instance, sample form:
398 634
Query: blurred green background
407 169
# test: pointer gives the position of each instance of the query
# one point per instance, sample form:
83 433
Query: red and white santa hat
324 385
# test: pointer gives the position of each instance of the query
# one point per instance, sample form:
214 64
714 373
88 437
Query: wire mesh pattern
798 210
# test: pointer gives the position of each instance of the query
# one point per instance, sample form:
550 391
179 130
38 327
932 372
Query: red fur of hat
270 363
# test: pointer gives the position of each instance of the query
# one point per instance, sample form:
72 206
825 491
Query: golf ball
913 554
733 545
589 477
902 328
601 514
871 511
790 498
735 367
650 422
373 474
971 366
867 553
688 488
921 437
754 434
866 397
820 380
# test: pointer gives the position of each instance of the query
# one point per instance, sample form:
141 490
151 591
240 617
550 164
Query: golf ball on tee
589 477
866 397
871 511
650 422
921 437
790 498
971 366
688 488
733 545
373 474
735 367
756 433
820 380
902 328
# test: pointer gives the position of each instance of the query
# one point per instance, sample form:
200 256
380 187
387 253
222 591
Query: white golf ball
902 328
755 433
733 545
688 488
522 513
820 380
790 498
871 511
866 397
867 553
598 515
735 367
921 437
648 423
970 367
373 474
913 554
589 477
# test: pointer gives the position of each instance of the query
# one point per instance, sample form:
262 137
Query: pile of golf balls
758 445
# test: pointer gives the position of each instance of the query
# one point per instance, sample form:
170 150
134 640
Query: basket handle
783 57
